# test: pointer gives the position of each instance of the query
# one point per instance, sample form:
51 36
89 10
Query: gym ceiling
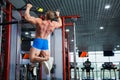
94 14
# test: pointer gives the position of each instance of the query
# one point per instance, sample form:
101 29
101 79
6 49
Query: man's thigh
34 52
45 53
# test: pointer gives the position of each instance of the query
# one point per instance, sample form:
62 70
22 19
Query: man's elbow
60 24
25 16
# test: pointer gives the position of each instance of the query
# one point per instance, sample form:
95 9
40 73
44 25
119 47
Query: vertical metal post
40 71
63 48
119 71
18 52
0 44
68 57
75 75
0 30
7 44
13 52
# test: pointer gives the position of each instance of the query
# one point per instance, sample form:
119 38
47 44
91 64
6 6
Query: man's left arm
28 17
59 20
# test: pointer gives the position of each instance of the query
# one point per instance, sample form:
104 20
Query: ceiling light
107 6
67 30
118 45
72 40
101 27
26 33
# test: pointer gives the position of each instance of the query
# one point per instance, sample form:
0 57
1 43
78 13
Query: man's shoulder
54 22
38 18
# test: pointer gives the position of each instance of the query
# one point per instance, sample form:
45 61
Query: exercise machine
87 71
108 66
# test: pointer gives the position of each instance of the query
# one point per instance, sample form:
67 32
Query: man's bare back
43 29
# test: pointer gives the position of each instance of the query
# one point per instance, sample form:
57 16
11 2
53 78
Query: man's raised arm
59 21
27 15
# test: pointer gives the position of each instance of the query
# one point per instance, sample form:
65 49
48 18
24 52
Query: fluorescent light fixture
32 35
26 33
107 6
67 30
101 27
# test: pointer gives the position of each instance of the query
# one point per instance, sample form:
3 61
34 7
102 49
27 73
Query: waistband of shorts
36 48
41 39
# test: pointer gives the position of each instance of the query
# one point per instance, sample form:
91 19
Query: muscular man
43 29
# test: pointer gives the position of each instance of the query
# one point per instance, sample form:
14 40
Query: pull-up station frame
63 45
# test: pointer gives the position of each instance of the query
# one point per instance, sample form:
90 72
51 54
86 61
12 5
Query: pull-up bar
13 22
24 21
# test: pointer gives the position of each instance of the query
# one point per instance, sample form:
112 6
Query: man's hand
29 5
57 13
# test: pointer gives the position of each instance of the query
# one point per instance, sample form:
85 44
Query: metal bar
13 53
18 51
24 21
71 16
63 48
68 56
69 24
7 49
35 10
0 45
7 23
40 71
14 22
75 75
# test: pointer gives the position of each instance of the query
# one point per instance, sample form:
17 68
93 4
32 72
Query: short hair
50 15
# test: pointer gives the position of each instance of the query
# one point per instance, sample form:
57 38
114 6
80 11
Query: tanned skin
43 29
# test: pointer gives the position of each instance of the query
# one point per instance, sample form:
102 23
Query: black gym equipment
108 66
26 73
87 71
77 70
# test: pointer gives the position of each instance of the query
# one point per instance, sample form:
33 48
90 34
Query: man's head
50 15
87 59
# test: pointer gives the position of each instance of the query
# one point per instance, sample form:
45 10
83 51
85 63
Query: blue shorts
41 44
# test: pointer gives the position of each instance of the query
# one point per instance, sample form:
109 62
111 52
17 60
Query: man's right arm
59 20
27 15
